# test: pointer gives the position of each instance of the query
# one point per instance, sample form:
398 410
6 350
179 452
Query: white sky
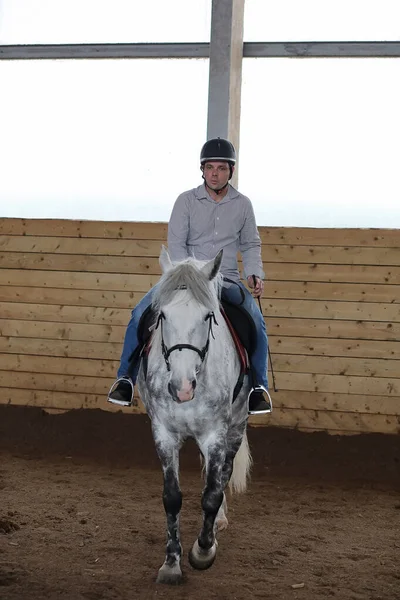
120 139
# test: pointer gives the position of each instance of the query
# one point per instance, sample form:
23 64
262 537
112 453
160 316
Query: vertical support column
225 76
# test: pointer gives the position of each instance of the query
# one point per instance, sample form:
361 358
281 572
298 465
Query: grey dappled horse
192 370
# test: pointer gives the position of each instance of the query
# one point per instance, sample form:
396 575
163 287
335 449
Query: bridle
202 353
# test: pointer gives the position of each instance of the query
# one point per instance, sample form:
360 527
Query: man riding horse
204 220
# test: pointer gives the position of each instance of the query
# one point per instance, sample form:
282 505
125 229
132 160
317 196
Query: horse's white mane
188 275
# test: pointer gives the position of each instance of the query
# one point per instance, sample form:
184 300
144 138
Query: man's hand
258 287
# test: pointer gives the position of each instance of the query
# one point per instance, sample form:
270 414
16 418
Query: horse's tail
241 467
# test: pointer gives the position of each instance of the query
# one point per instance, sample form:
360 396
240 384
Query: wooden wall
331 303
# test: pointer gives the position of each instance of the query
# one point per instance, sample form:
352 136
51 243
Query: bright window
321 20
101 139
104 21
319 141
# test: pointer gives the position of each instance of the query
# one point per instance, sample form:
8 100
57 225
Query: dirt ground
81 515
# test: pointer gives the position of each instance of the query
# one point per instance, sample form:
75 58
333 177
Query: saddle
241 326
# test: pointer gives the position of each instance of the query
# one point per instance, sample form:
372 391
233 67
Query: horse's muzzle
184 392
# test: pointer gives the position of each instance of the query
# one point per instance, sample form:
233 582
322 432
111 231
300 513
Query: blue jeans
258 359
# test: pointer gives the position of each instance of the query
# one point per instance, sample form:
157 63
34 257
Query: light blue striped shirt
200 227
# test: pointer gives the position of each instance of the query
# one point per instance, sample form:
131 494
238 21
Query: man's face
216 174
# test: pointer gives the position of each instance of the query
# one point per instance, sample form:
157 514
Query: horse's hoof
202 559
169 575
222 523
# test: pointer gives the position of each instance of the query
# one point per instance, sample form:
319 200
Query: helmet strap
216 191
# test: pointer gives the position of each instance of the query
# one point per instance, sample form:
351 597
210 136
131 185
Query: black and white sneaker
121 392
260 402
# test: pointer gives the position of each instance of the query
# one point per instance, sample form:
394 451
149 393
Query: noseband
202 353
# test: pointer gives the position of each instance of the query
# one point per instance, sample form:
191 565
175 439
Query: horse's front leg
203 552
168 452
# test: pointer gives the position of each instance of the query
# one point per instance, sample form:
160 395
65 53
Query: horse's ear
165 260
212 267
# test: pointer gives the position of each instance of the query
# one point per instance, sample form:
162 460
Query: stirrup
113 387
260 388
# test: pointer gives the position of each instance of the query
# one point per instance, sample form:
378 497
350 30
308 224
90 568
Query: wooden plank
80 262
152 248
351 292
56 382
110 317
388 294
338 384
367 367
81 281
61 401
329 420
85 246
332 273
72 228
339 255
359 311
64 314
62 331
328 401
320 328
58 364
71 297
333 347
309 236
75 349
385 238
141 266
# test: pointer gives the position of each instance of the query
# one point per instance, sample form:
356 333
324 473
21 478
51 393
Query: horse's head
186 300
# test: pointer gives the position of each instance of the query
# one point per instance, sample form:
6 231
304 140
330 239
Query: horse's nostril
194 383
170 389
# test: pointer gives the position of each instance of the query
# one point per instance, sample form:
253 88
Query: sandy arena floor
81 515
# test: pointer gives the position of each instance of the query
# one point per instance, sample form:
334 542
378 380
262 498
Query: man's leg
259 399
121 392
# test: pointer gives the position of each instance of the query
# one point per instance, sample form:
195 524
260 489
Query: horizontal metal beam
50 51
321 49
201 50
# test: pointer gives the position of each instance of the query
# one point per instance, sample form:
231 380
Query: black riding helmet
218 149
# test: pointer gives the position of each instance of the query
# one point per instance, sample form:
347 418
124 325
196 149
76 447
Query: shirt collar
202 194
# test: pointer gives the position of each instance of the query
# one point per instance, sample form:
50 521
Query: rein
202 353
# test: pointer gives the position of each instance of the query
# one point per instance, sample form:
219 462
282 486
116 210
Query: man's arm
178 229
250 249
